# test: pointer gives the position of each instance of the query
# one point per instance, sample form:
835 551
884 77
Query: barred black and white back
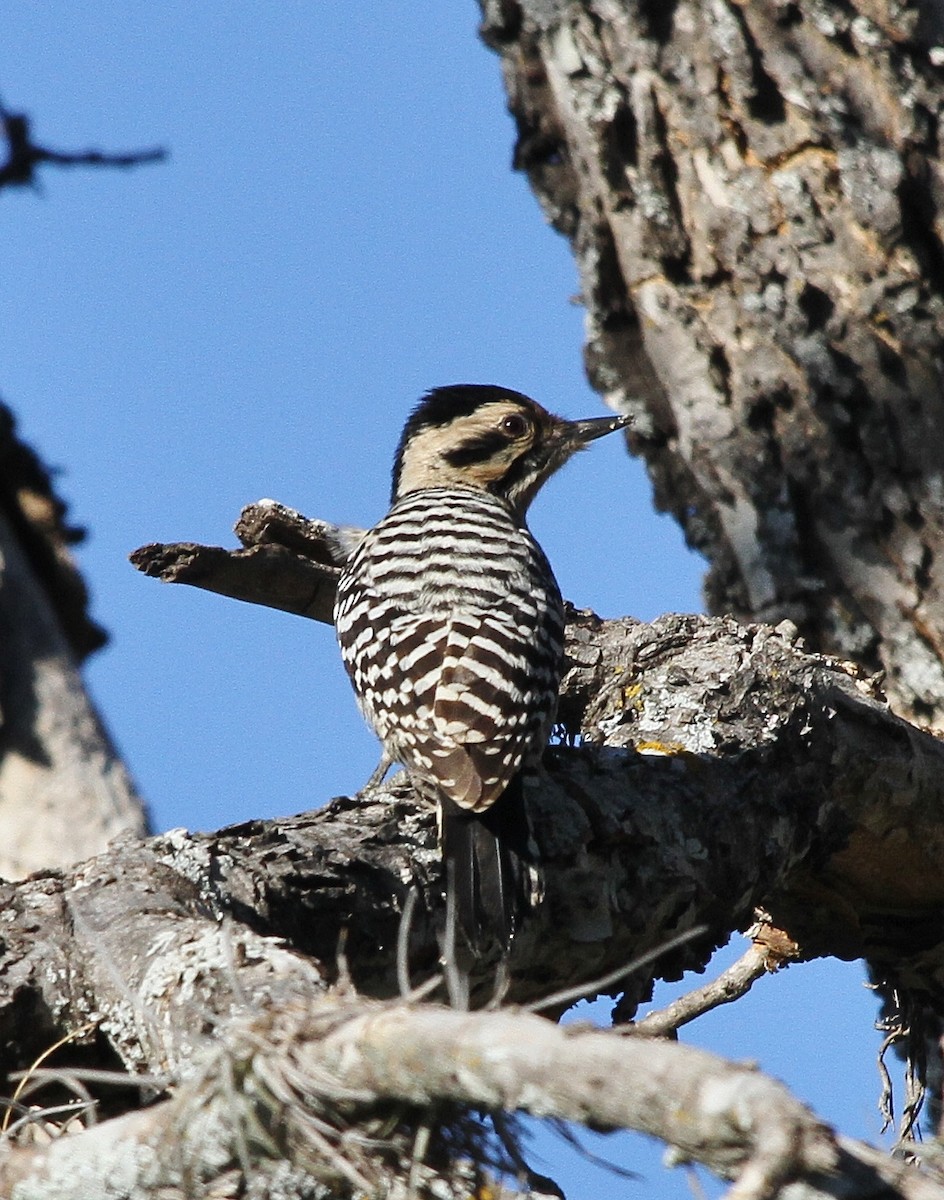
451 628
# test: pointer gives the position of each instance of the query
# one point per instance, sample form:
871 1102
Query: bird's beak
581 432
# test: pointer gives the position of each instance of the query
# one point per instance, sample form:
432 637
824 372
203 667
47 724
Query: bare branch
770 950
730 985
24 155
774 747
297 1081
268 574
289 562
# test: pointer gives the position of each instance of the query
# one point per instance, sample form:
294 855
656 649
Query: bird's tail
486 858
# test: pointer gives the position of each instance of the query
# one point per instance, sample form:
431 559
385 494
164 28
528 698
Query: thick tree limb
722 768
781 798
304 1079
776 777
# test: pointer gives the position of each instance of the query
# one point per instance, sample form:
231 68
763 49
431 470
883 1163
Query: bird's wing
465 699
484 696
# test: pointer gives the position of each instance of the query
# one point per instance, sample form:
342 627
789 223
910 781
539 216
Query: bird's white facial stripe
426 461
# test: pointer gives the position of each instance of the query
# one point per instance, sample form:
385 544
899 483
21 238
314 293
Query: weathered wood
721 769
288 561
761 736
753 195
298 1098
64 791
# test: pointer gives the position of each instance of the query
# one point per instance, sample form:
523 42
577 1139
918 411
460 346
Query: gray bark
753 196
742 749
64 792
752 192
722 769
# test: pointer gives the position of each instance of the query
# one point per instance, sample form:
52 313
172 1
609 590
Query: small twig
564 1131
34 1115
730 985
230 1089
543 1185
63 1041
403 943
33 1083
909 1130
226 945
345 981
337 1160
696 1185
457 983
24 155
501 986
886 1101
905 1023
420 1147
422 990
568 996
158 1083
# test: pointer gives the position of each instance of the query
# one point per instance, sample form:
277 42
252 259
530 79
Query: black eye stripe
443 405
477 449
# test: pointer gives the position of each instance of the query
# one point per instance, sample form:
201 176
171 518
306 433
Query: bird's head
489 438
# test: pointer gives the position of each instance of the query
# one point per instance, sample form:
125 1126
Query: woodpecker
451 627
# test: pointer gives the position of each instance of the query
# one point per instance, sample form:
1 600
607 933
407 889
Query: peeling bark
753 196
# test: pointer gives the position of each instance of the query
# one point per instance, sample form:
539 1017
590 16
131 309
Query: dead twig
24 155
567 996
730 985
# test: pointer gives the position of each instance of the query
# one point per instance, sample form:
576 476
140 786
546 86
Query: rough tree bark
64 792
722 768
753 193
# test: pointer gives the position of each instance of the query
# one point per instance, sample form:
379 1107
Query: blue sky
337 229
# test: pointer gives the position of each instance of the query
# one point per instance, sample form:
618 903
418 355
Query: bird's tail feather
486 858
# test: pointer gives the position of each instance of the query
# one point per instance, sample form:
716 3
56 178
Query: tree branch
730 985
308 1079
56 758
721 768
754 209
751 770
24 155
288 561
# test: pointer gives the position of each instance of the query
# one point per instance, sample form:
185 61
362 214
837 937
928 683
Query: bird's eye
514 426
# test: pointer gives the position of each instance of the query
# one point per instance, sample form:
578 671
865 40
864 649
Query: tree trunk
64 792
753 195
